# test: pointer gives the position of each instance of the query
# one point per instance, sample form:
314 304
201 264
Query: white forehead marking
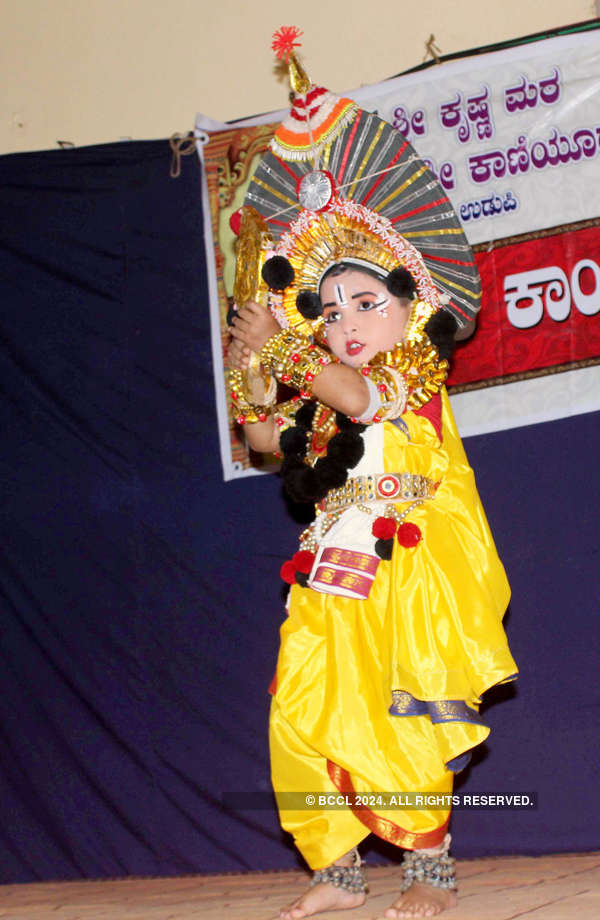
340 295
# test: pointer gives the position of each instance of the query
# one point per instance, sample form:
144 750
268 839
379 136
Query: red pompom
235 221
283 41
409 534
288 572
303 560
383 528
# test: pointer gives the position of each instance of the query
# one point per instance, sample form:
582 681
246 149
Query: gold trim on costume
315 241
294 360
383 827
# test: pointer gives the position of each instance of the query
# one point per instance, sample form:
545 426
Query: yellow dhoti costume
350 672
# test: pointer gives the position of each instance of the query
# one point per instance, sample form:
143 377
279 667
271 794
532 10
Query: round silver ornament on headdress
315 190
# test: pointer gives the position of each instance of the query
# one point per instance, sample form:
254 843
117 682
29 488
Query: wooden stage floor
536 888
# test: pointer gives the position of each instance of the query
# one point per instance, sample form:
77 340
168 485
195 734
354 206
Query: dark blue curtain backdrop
140 594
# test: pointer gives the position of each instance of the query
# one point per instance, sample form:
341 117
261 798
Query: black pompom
305 484
293 441
401 283
290 464
309 305
440 329
278 273
384 549
346 446
300 481
331 475
305 414
345 423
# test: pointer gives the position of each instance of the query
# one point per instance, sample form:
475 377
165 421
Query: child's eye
373 304
332 317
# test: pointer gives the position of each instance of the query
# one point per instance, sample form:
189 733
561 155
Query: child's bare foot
324 895
421 901
321 897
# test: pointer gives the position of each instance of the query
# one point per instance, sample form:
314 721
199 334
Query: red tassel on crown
283 41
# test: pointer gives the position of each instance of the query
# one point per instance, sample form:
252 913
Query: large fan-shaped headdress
338 184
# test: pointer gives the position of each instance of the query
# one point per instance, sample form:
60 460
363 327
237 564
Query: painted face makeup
361 317
382 306
340 295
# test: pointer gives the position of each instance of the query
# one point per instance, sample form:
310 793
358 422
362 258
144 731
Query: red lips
354 348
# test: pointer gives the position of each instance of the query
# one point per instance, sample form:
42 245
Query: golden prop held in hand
253 243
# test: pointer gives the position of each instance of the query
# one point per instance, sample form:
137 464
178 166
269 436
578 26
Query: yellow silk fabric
432 626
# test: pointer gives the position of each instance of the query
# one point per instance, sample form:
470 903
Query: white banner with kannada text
514 138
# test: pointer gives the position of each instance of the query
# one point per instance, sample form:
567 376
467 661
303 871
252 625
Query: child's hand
253 326
238 355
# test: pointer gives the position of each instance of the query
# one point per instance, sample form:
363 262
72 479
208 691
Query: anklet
350 878
437 870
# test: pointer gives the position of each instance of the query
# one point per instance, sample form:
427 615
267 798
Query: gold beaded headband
347 232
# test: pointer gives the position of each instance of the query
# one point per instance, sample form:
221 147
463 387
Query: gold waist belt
390 487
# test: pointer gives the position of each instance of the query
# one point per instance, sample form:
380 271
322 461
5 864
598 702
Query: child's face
361 317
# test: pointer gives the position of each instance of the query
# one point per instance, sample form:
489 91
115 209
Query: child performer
394 626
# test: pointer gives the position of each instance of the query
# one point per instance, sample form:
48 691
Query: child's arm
261 436
337 385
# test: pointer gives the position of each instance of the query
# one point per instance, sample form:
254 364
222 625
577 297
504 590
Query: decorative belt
398 487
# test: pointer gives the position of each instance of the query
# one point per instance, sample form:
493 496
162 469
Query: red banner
540 310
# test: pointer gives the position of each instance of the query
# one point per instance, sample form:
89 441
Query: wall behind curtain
107 69
139 594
